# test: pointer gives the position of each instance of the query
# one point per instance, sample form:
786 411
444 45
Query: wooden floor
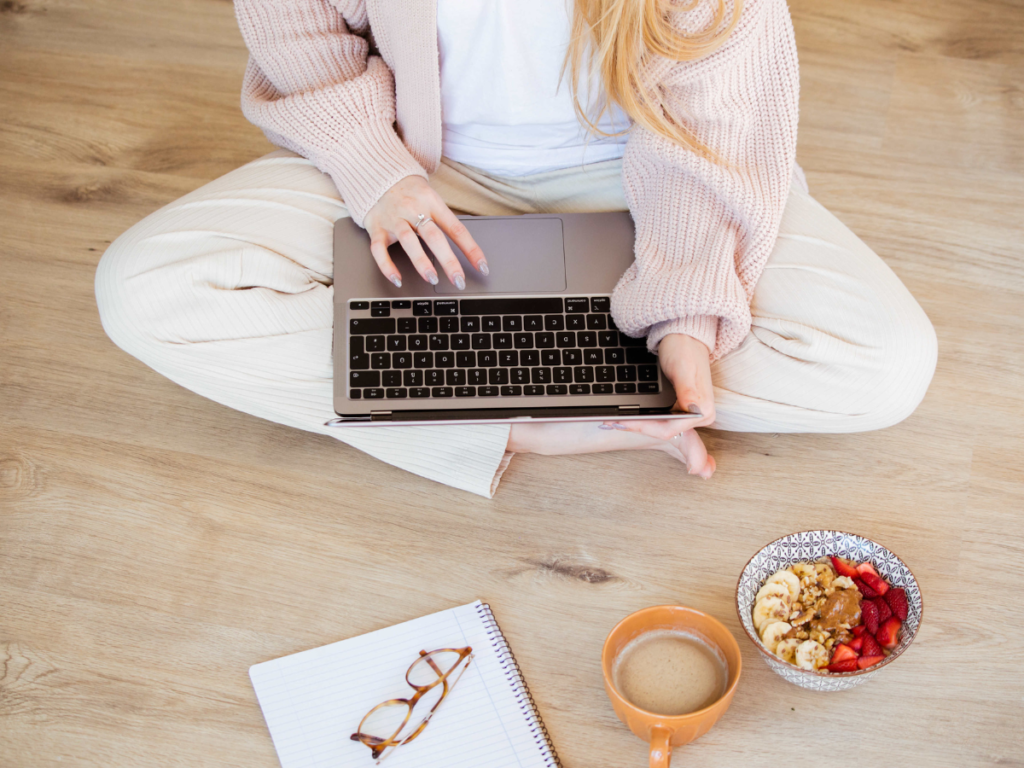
153 544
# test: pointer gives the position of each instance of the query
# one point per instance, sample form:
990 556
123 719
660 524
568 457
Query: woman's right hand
393 219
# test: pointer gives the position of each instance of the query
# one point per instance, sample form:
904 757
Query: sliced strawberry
869 614
888 635
843 652
844 568
897 600
869 661
860 629
884 611
857 643
864 588
866 568
870 647
877 583
850 665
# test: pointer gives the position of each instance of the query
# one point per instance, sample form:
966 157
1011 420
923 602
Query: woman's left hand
687 364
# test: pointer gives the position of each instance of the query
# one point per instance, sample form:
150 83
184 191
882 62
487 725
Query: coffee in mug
671 672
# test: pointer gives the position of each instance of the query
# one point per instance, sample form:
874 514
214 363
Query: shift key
373 325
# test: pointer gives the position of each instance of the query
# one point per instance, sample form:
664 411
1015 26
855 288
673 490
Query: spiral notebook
314 700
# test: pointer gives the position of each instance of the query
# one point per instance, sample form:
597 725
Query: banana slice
773 632
770 609
802 570
774 589
811 654
786 650
825 574
789 579
843 582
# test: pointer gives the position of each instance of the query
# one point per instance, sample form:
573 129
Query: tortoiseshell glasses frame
381 746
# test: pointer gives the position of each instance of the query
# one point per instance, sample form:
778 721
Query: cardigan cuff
703 328
369 161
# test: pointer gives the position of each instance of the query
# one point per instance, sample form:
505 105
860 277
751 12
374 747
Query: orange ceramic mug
667 731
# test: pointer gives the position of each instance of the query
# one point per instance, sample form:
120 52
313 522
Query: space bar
534 306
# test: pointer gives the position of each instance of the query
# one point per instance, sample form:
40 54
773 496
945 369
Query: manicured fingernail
460 282
605 426
397 281
484 269
619 426
694 408
432 278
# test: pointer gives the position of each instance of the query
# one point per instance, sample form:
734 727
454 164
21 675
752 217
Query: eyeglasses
433 675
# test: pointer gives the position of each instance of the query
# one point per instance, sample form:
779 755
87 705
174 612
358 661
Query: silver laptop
533 340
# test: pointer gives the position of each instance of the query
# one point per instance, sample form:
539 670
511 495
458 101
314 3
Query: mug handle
661 746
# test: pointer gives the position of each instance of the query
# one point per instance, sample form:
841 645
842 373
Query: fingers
411 245
434 237
661 429
698 462
458 232
379 249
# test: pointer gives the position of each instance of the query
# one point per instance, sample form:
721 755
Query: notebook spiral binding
514 674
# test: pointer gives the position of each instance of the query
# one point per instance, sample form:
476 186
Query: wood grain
153 544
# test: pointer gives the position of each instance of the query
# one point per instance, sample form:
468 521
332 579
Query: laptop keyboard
504 348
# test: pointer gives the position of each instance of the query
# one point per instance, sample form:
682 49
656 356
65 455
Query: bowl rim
811 672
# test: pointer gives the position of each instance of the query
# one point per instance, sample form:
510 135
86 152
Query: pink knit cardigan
704 230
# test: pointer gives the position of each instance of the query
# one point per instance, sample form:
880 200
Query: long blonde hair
617 38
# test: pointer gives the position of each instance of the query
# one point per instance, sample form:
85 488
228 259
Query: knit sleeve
704 230
313 88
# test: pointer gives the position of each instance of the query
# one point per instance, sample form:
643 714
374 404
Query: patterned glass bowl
809 546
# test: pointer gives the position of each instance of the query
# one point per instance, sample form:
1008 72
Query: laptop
534 340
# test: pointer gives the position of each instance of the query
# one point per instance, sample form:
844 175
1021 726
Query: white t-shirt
503 107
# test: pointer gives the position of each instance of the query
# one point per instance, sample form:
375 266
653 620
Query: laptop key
419 392
417 343
364 378
380 311
540 375
572 357
497 376
615 356
477 376
605 373
586 339
481 341
460 341
508 358
511 391
433 377
401 360
355 345
562 375
470 324
449 324
512 323
522 340
441 392
487 358
407 325
446 306
544 340
491 324
438 341
465 391
396 343
465 359
626 373
487 391
608 338
529 357
412 378
427 325
533 389
376 344
533 323
647 373
456 377
647 386
566 339
359 362
575 322
368 325
554 322
557 389
397 393
603 389
380 361
596 322
551 357
401 304
444 359
640 356
579 389
625 389
601 304
391 378
583 374
359 305
373 394
421 308
593 356
502 340
423 359
519 375
532 306
355 394
577 305
629 341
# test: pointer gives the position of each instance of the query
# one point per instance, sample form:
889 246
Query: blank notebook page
313 701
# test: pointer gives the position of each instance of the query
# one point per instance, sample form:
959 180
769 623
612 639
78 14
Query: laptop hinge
380 415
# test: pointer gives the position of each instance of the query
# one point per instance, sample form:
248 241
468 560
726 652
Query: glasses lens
430 668
385 721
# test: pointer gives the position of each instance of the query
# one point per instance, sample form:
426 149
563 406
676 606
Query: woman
767 313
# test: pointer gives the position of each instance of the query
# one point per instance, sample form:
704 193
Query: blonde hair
617 38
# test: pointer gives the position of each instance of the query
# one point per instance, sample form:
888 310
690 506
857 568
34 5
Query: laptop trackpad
524 256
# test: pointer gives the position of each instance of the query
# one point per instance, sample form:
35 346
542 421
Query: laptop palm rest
524 256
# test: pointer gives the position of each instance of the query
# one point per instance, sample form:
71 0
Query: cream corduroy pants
228 292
